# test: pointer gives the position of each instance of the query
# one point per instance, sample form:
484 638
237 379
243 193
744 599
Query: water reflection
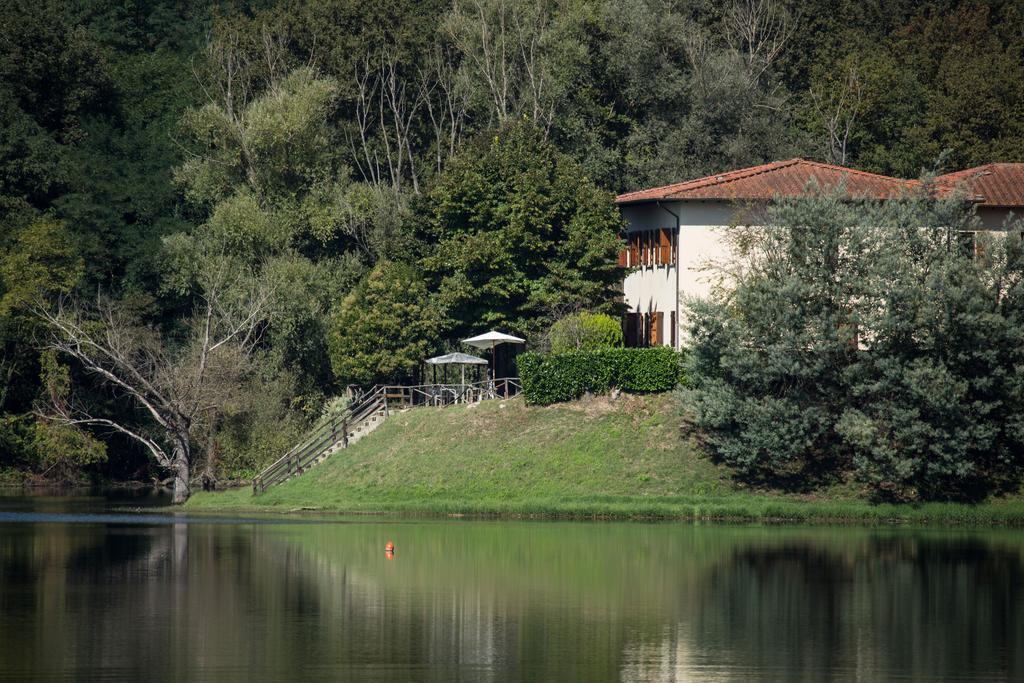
506 601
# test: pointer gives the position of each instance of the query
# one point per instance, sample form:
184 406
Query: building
673 232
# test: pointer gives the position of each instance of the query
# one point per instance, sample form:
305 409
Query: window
645 329
966 243
649 248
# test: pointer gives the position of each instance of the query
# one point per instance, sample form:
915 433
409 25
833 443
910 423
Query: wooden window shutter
657 328
674 329
623 257
630 332
664 247
634 249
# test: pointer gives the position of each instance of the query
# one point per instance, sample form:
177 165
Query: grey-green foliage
273 194
272 191
857 341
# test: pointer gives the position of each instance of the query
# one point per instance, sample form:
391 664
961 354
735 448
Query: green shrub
585 332
551 378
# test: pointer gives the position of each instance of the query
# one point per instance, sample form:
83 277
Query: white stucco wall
701 230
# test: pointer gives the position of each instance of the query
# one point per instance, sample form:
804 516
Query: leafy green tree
37 261
385 328
270 187
853 341
519 233
705 97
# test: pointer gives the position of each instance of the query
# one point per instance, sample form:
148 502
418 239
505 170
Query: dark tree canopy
518 233
477 142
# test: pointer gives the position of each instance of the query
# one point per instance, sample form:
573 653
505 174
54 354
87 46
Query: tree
519 234
522 56
275 198
384 328
849 340
169 386
935 405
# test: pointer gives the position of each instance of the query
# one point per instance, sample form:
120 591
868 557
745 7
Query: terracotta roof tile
998 185
786 178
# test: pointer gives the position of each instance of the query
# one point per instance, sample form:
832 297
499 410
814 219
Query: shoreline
1003 513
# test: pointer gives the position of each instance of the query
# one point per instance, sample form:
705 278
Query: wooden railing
408 396
323 436
379 398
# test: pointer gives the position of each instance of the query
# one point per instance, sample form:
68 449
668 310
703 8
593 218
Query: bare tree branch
840 110
171 383
758 31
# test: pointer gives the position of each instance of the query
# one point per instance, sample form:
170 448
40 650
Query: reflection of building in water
668 659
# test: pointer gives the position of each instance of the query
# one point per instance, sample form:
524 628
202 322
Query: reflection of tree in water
51 571
463 624
180 601
507 601
886 606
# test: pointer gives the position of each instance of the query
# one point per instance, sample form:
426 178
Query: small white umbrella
488 340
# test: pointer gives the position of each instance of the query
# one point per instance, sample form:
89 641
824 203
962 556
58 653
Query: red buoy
389 547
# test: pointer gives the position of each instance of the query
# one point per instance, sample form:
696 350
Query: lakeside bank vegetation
596 458
216 216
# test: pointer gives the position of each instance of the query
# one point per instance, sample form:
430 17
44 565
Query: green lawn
592 458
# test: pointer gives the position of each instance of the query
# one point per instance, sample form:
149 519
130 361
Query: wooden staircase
356 421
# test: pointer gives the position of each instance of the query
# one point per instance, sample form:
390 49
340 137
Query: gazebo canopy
456 359
488 340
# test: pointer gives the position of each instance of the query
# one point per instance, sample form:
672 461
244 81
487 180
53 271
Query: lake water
91 592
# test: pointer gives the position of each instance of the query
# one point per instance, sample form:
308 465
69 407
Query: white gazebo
460 359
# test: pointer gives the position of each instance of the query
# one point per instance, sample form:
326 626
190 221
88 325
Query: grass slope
592 458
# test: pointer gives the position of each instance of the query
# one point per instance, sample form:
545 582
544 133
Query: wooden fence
408 396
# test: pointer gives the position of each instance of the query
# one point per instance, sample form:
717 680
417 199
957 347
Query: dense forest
216 215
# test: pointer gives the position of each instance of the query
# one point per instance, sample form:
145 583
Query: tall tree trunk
180 466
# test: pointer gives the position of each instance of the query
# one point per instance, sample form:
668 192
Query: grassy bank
587 459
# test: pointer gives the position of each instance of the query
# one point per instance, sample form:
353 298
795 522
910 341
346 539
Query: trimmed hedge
556 377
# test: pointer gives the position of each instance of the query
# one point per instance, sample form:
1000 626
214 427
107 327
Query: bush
551 378
585 332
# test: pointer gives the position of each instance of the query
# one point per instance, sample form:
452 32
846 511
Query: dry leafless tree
171 386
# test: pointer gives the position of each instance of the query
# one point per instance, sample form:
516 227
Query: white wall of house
701 241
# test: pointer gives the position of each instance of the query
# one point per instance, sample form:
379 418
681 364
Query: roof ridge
741 173
714 178
966 172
